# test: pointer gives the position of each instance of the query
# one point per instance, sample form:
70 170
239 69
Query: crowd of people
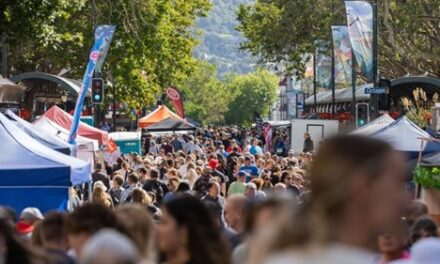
223 197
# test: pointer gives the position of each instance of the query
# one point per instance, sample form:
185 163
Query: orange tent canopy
160 114
65 120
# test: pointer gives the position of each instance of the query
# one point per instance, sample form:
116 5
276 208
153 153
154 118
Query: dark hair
119 180
154 173
133 177
183 187
423 227
205 243
143 170
98 166
89 219
52 227
284 175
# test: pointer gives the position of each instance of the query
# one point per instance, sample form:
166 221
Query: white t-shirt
334 254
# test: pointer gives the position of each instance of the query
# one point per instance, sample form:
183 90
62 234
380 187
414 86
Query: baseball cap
242 173
213 164
31 213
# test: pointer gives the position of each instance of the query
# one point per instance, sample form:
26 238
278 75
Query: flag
176 99
323 65
343 56
107 31
360 30
111 146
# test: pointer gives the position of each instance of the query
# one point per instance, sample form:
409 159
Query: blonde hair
99 196
140 196
192 177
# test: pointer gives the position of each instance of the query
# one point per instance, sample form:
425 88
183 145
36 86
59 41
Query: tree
151 50
284 30
251 93
205 97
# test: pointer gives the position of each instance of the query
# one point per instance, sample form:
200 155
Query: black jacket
308 145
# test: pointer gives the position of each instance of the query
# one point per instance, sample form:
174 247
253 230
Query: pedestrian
29 219
213 195
154 185
100 195
187 233
308 143
239 186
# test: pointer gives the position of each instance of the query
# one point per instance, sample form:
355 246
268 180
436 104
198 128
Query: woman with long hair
188 233
100 195
357 191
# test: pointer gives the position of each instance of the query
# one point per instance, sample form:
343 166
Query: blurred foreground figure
357 193
425 251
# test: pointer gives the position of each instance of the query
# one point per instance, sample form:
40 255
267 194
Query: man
233 154
214 164
177 144
308 143
167 147
235 216
133 183
29 218
250 169
99 175
239 186
201 185
255 149
190 147
183 170
54 237
154 185
251 190
233 145
214 196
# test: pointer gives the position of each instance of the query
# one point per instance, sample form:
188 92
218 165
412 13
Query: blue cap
242 173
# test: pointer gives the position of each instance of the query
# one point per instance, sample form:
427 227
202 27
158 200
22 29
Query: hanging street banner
323 66
360 30
93 58
176 99
343 56
309 67
107 31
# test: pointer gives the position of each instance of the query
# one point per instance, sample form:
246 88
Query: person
214 196
425 251
176 143
154 185
235 216
255 149
308 143
416 209
288 181
54 238
106 127
423 227
139 226
29 218
201 185
100 195
334 226
167 147
392 245
99 175
117 190
109 247
140 196
191 177
85 221
250 169
188 233
190 147
172 185
133 183
239 186
153 149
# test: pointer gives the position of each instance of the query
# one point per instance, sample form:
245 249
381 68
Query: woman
172 185
100 195
140 196
189 234
138 225
191 177
357 191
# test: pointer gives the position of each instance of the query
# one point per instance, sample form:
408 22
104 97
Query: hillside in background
220 41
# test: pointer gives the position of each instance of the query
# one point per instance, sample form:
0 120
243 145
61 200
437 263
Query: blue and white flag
107 31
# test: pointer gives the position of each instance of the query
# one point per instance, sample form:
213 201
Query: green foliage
427 177
251 93
152 47
283 30
205 97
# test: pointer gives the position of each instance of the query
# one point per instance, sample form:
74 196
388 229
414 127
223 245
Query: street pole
375 101
314 81
4 56
353 84
333 81
114 105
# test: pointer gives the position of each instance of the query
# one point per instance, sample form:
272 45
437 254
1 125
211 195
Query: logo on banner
173 94
94 56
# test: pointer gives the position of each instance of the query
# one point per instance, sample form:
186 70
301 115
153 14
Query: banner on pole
323 65
176 99
343 56
107 31
360 30
93 58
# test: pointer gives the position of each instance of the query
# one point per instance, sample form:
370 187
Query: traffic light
362 114
97 91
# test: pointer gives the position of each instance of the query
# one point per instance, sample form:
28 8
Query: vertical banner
93 58
343 56
323 66
291 104
107 31
176 99
360 30
309 71
300 104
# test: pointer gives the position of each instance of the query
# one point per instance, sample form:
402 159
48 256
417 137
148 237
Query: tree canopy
285 30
